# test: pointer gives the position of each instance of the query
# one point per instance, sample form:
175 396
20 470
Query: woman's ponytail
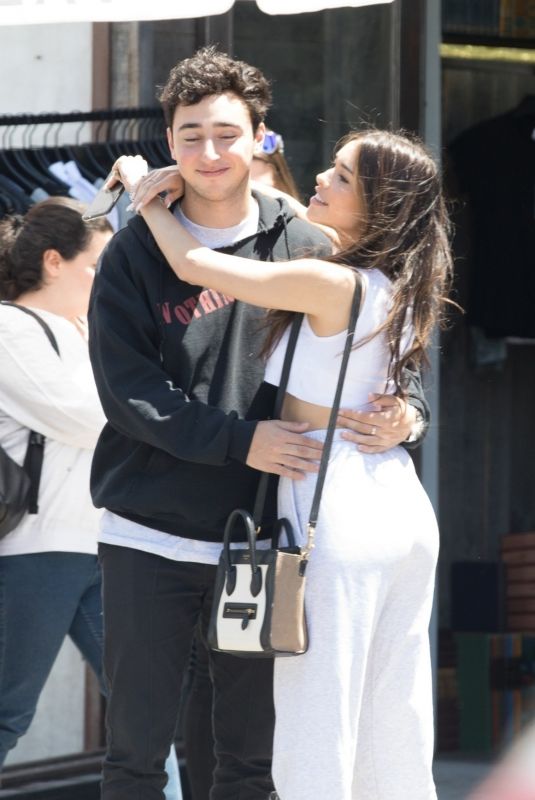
10 230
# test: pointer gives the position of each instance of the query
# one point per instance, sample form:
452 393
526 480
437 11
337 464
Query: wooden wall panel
487 416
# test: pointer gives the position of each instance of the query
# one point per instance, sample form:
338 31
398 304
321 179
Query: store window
486 675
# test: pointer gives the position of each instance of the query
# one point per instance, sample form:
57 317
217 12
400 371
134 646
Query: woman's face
336 202
77 274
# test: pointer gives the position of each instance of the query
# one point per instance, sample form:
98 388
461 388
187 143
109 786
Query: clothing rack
81 116
35 149
107 123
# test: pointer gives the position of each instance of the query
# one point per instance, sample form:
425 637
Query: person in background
269 165
50 581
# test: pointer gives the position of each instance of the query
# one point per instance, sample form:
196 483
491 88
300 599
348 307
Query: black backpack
19 486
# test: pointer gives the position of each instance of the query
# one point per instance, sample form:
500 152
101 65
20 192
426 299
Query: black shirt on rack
494 164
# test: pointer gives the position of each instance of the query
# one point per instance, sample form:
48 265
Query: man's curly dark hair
210 72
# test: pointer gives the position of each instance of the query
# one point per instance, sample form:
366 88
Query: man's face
212 143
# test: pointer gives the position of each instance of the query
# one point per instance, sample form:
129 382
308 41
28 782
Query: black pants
196 721
152 606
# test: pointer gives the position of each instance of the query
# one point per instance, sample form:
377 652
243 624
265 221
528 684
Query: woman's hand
167 181
129 170
379 430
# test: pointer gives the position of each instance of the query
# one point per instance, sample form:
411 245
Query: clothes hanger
20 164
39 163
152 146
24 164
71 152
90 156
8 167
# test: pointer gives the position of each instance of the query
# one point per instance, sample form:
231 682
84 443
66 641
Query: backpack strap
50 336
33 465
33 460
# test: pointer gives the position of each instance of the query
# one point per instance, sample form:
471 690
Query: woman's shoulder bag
259 597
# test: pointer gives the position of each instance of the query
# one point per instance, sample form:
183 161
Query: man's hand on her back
375 431
281 448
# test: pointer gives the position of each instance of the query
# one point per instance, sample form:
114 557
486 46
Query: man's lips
212 173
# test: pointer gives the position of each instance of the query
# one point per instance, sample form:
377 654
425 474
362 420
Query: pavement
455 779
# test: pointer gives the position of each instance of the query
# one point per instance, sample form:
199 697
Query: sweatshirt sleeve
416 398
42 391
139 398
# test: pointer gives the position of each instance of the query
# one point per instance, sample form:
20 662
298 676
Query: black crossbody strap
324 462
33 465
50 336
260 501
33 460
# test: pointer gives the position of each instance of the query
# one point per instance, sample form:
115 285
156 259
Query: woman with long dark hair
354 714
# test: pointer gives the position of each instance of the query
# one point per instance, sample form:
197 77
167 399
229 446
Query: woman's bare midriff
295 410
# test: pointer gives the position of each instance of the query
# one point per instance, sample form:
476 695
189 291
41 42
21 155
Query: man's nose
209 150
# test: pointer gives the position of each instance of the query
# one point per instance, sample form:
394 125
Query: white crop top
316 361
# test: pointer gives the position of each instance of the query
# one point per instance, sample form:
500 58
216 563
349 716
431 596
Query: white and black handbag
259 596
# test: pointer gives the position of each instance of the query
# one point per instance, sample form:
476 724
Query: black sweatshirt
180 380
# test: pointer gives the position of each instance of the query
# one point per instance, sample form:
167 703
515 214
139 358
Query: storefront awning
31 12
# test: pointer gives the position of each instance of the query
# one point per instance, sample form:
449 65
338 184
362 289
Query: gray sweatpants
354 714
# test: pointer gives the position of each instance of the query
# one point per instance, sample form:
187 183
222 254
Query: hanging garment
494 164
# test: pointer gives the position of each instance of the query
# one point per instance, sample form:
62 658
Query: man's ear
170 143
52 262
259 133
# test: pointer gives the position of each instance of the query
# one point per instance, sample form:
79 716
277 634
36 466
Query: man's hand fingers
300 464
385 401
368 448
377 431
370 418
365 438
280 447
369 427
369 444
286 472
302 447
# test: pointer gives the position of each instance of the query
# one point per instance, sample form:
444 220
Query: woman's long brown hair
404 232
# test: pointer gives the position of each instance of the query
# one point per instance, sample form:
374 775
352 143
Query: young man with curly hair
188 430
